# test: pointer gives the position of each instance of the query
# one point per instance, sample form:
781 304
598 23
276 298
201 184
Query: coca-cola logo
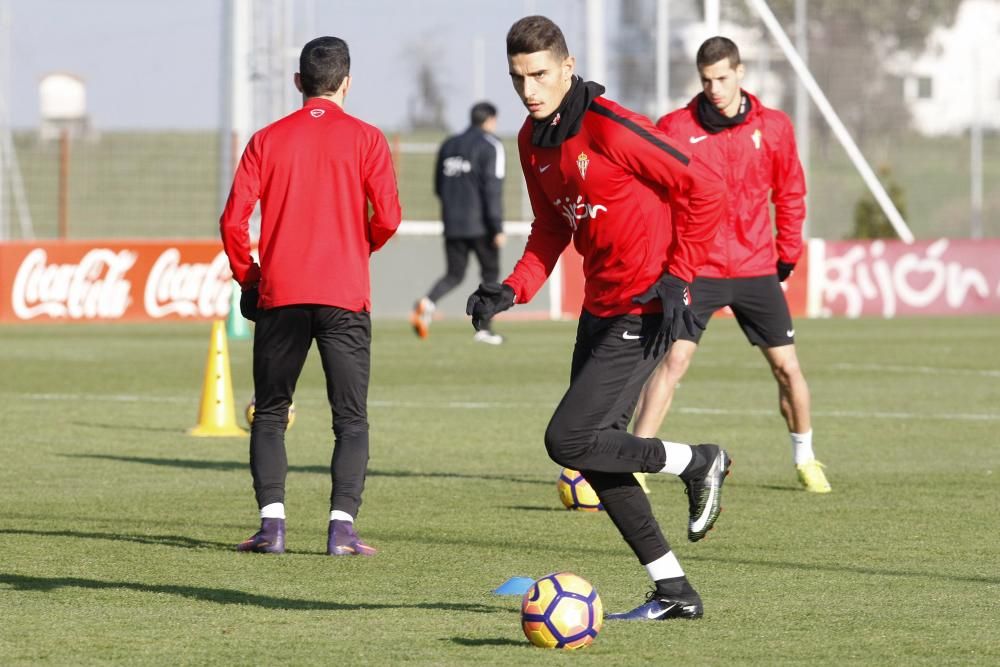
188 290
93 288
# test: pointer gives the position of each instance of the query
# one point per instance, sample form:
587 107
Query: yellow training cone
217 416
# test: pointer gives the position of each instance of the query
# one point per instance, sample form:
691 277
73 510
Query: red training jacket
314 172
607 189
757 156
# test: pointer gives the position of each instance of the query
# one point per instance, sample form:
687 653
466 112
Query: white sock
273 511
678 457
337 515
665 567
802 447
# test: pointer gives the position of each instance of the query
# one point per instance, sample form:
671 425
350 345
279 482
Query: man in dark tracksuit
315 173
601 176
468 179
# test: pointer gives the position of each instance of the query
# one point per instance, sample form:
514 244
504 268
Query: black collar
714 121
567 119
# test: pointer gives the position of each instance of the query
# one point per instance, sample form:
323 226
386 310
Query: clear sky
155 64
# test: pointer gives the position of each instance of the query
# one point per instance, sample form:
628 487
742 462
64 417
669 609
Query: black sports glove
487 301
784 270
248 303
673 294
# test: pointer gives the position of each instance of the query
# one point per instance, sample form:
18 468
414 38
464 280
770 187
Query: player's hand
487 301
785 269
248 302
252 277
674 296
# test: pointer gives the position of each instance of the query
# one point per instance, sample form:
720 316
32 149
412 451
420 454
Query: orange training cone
217 416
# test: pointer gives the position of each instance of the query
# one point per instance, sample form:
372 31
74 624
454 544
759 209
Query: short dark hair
536 33
323 64
481 112
715 49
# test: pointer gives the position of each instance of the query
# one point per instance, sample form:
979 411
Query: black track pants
281 343
588 432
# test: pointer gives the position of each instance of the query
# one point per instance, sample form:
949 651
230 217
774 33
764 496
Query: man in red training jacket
601 176
754 147
315 173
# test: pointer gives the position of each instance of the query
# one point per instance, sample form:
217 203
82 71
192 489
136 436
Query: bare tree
426 105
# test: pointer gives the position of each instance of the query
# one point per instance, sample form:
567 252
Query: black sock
677 587
699 462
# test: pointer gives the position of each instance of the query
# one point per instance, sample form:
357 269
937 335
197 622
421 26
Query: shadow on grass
156 540
229 596
813 567
127 427
195 464
536 508
499 641
182 542
777 487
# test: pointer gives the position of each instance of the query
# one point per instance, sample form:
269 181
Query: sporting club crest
582 162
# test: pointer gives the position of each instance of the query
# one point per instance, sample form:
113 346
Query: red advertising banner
118 280
889 278
152 280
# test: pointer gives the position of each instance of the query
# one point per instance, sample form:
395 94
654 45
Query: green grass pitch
118 528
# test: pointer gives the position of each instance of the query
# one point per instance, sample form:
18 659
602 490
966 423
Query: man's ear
568 66
298 82
345 85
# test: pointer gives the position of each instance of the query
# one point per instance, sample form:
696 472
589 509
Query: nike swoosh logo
695 140
653 615
628 336
790 333
703 519
541 170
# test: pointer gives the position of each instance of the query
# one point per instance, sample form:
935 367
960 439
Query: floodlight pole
976 151
5 167
478 68
10 170
824 106
236 109
596 54
802 129
662 57
713 13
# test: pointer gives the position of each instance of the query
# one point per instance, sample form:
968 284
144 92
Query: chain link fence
122 184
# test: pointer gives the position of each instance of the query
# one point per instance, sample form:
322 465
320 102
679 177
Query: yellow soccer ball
576 493
561 610
252 406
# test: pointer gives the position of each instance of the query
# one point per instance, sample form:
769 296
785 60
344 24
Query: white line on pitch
486 405
853 414
923 370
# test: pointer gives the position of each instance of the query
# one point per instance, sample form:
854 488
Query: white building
956 79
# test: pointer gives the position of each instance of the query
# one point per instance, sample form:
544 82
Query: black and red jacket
758 158
606 188
314 172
